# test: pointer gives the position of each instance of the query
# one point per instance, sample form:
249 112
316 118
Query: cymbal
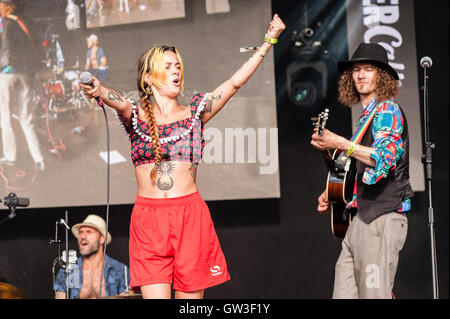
8 291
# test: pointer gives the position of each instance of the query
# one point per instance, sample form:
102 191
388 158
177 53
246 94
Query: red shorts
172 240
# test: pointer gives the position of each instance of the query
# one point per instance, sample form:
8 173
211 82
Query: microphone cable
107 198
86 78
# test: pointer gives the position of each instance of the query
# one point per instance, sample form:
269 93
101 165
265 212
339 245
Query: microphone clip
12 202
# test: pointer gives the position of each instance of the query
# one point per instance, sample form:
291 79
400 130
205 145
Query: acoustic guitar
340 182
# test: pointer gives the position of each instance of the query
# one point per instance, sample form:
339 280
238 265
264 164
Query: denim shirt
114 278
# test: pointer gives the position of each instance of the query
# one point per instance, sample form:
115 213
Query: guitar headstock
320 121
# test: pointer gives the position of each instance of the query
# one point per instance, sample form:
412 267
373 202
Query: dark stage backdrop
280 248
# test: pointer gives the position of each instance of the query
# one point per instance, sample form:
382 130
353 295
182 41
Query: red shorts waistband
140 200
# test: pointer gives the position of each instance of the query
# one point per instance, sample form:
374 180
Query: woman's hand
222 94
276 26
89 91
110 98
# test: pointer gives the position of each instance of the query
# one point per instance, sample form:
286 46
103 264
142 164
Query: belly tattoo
165 181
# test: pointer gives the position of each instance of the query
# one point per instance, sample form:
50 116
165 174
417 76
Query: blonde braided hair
152 62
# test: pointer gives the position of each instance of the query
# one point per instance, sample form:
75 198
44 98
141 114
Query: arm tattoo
165 169
193 171
114 96
210 100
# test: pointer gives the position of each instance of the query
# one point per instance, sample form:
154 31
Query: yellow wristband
351 149
270 40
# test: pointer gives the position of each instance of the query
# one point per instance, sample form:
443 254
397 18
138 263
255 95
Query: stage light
307 81
304 93
307 74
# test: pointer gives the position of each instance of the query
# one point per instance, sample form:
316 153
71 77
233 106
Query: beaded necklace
166 139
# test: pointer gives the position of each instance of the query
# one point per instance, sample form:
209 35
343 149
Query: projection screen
241 154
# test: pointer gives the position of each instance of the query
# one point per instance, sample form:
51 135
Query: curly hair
387 87
152 62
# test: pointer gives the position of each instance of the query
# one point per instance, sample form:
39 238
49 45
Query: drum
54 89
72 75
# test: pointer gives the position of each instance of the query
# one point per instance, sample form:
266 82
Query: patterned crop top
180 141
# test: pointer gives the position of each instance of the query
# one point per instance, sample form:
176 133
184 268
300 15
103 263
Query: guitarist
368 261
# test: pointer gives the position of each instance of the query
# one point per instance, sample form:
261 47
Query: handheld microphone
426 62
12 201
86 78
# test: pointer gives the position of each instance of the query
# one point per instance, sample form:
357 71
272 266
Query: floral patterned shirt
180 141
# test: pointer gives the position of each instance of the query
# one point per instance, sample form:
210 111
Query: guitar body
340 183
341 217
341 178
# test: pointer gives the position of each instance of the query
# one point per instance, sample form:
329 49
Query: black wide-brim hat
371 53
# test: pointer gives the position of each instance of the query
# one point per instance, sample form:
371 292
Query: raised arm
110 98
220 96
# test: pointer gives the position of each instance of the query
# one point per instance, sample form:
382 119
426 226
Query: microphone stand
66 220
58 258
63 264
427 160
11 215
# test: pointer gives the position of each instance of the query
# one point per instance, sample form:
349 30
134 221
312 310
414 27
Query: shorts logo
215 270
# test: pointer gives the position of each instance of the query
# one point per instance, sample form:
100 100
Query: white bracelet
262 55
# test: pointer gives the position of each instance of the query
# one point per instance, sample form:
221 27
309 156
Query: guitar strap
357 137
361 130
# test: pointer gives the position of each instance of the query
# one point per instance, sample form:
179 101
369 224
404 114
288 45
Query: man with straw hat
84 276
